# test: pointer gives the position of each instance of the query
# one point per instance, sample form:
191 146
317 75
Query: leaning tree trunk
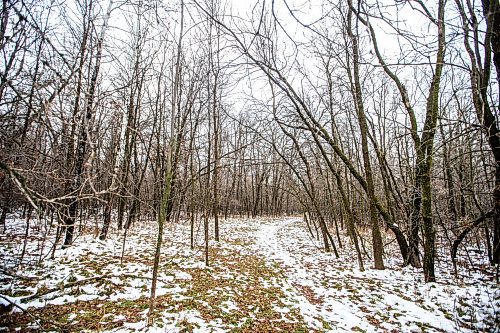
480 82
358 99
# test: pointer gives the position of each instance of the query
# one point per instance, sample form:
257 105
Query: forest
250 166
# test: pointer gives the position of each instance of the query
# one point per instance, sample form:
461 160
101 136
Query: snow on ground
333 293
265 275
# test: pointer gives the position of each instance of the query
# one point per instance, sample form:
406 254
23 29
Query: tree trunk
432 111
358 99
83 137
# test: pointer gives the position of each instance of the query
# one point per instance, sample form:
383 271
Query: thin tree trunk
358 98
83 136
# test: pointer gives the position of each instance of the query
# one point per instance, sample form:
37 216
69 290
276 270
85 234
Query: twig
38 318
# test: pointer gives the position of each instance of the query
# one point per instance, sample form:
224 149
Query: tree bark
83 136
358 100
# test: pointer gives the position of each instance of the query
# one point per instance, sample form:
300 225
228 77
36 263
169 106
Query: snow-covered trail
333 295
273 247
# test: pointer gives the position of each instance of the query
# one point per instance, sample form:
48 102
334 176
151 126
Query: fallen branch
39 318
82 282
21 277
